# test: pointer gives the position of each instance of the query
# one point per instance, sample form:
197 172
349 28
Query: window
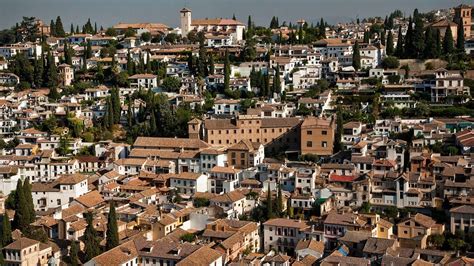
309 144
324 144
324 132
309 132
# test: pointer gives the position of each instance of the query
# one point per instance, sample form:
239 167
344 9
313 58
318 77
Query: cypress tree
59 27
276 86
418 36
21 218
116 105
382 38
95 27
52 28
91 240
6 231
226 71
112 237
400 51
211 65
339 131
430 45
29 200
279 204
439 47
270 213
460 42
129 112
38 64
2 259
356 56
389 46
73 253
52 74
322 29
448 42
77 29
71 30
249 23
99 75
67 54
366 37
409 49
129 64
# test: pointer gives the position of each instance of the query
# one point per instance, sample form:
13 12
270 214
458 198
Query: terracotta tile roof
91 199
118 255
346 219
229 197
312 244
71 179
201 257
463 209
170 143
22 243
216 21
287 223
378 245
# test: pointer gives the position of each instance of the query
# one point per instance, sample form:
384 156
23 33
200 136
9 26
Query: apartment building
49 195
245 154
282 234
25 251
414 231
233 237
317 136
462 218
448 86
271 132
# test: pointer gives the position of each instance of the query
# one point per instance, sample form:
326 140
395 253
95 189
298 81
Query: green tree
399 50
430 45
146 37
6 233
59 28
38 66
52 80
112 237
390 62
91 239
73 253
63 147
269 204
460 43
227 70
111 32
389 45
418 36
188 237
52 28
211 65
448 42
339 130
29 199
171 84
436 240
279 203
409 48
276 85
366 207
356 56
382 38
21 218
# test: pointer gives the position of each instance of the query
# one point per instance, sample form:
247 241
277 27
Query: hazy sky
109 12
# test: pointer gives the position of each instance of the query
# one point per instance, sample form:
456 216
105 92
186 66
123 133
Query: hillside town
222 142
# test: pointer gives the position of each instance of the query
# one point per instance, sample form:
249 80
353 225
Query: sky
109 12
